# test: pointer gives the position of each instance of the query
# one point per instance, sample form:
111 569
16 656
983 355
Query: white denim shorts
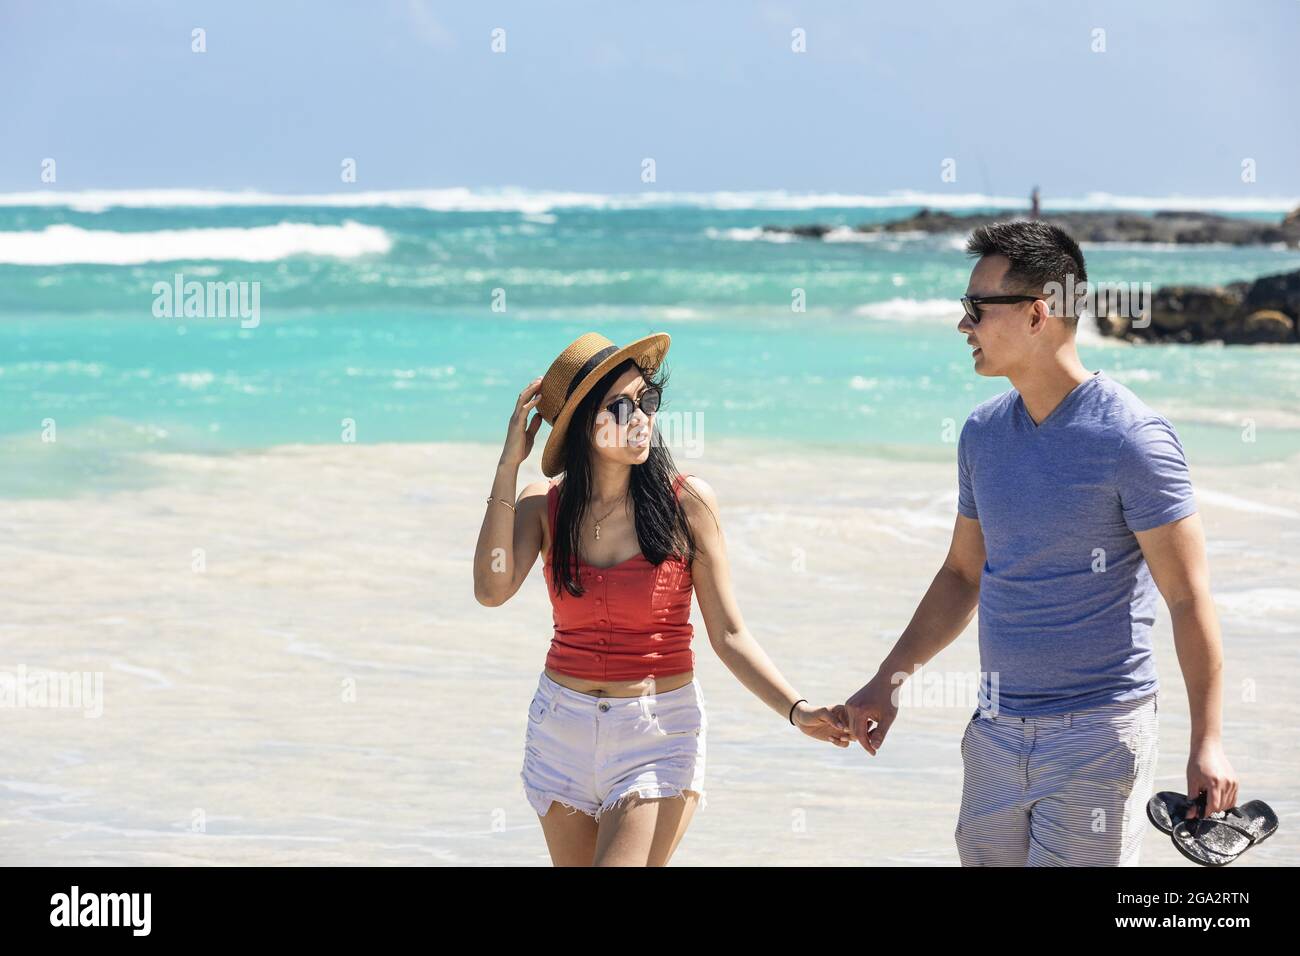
588 753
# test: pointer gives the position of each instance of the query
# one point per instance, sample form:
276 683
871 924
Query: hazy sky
1013 91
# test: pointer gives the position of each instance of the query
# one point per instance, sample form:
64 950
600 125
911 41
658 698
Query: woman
616 730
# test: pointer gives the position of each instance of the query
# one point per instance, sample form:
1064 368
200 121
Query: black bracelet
801 700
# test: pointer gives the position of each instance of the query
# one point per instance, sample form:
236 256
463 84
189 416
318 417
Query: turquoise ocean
420 316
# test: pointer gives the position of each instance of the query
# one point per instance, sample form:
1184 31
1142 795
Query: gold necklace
623 500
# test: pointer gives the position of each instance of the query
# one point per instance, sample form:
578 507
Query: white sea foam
1222 499
912 310
754 234
1098 200
64 244
195 380
461 199
1177 247
1088 333
1127 375
889 240
844 234
1232 415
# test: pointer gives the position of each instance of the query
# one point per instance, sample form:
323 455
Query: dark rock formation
815 231
1279 292
1268 325
1266 310
1171 227
1241 313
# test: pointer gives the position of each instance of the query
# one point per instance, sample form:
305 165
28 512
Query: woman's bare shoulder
532 500
534 490
532 506
703 502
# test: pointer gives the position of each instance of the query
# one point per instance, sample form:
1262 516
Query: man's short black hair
1039 253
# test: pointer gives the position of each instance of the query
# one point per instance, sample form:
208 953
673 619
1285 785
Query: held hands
870 713
1208 771
521 432
823 723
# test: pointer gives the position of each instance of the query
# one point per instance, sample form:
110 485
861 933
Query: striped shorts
1062 790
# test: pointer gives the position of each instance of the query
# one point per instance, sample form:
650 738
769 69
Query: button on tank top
631 622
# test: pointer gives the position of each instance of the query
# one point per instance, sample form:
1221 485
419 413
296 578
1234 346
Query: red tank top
632 621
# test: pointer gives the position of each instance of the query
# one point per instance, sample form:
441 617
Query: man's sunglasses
623 406
972 303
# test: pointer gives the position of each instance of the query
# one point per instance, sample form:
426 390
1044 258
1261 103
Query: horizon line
540 201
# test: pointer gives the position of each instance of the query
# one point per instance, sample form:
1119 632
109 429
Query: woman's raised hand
824 723
521 432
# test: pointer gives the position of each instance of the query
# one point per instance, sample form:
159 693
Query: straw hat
574 374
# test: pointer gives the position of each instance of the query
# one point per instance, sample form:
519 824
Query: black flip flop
1167 808
1218 840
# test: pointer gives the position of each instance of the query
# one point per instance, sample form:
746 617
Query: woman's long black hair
661 526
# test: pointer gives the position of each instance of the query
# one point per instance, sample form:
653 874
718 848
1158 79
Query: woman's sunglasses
623 406
972 303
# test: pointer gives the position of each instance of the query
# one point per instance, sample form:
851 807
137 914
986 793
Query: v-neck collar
1070 397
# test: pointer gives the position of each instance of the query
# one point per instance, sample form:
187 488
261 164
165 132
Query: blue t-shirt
1066 598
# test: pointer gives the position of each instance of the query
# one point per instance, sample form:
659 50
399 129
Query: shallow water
381 323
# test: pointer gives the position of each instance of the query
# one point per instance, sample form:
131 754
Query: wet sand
295 670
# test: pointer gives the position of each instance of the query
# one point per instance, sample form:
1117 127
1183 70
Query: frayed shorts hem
541 800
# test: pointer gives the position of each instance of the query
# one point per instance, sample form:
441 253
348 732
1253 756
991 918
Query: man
1074 507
